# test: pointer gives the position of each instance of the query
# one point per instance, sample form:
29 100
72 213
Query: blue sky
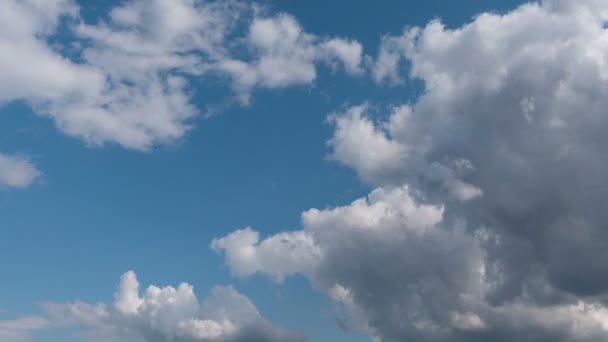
102 203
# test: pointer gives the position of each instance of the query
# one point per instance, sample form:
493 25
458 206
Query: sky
235 171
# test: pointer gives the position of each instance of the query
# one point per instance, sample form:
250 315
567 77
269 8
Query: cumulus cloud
169 314
281 255
126 79
18 330
283 54
380 158
503 151
358 143
399 273
42 73
16 171
525 111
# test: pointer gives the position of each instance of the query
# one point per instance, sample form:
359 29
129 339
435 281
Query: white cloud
284 55
387 65
16 172
169 314
359 144
41 74
19 330
300 252
367 254
284 254
127 80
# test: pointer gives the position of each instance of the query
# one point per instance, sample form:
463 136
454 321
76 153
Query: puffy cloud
358 143
18 330
397 272
363 254
375 151
16 172
284 54
126 79
169 314
146 53
300 251
282 255
525 113
505 147
42 73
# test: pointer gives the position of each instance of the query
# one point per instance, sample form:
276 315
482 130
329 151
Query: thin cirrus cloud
488 218
126 80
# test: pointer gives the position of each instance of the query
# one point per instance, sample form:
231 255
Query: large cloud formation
126 79
170 314
488 222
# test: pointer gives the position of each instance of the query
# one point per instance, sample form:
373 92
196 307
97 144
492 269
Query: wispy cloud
18 330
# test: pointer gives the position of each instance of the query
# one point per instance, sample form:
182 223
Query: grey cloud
397 271
521 98
508 138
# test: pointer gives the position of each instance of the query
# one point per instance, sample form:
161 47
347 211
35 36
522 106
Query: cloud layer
169 314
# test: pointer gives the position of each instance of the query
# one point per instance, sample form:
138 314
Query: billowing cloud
16 172
127 79
503 151
516 121
398 273
19 330
381 159
169 314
